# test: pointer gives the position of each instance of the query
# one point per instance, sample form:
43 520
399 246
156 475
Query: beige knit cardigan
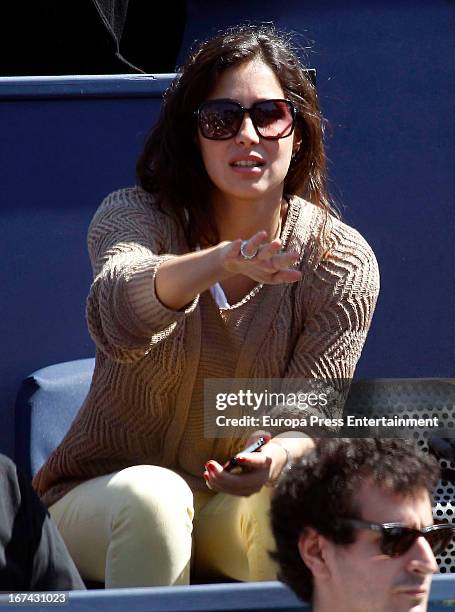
148 356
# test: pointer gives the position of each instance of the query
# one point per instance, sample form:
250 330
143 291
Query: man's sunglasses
221 119
397 539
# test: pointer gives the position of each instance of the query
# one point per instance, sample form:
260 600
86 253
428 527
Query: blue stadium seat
47 402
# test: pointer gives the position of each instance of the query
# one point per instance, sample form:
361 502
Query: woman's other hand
258 469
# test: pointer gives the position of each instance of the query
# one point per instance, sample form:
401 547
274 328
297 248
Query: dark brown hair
322 487
171 167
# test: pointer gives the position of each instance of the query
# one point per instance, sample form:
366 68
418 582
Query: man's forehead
380 504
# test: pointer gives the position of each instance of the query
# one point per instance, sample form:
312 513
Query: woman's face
248 83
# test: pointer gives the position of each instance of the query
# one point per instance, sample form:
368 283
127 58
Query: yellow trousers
143 526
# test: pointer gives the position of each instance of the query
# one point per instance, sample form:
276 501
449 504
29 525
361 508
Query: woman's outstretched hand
260 260
180 279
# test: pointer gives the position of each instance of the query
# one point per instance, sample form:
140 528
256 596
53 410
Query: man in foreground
33 556
354 529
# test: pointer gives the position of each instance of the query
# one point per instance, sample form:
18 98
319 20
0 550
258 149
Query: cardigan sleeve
337 301
128 239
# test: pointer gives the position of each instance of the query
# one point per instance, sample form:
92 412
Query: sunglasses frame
244 110
384 528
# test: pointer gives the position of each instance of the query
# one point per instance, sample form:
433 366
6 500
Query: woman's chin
254 190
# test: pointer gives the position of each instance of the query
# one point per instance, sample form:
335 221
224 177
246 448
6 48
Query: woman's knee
152 495
151 522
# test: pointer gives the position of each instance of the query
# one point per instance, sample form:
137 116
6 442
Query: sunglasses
397 539
222 119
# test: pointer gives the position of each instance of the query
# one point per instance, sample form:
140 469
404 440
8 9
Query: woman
211 267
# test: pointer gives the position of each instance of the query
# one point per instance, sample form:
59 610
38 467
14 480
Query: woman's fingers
247 483
279 261
248 249
267 251
289 275
253 461
269 265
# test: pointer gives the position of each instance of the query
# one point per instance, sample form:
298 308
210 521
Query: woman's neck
237 218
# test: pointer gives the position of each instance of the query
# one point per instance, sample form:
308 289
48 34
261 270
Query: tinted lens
397 541
220 120
273 118
439 539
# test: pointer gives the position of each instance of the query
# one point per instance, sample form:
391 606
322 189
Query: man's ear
312 548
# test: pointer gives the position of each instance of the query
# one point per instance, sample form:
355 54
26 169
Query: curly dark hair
171 167
322 487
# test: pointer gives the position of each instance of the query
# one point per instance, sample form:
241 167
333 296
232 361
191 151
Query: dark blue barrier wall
385 76
251 597
65 143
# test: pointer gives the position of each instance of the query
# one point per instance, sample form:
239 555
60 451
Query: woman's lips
248 169
249 165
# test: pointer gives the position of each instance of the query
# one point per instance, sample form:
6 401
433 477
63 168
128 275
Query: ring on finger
246 255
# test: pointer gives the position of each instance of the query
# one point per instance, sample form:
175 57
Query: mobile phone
233 464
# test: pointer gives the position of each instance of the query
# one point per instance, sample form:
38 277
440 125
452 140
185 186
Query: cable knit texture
145 401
